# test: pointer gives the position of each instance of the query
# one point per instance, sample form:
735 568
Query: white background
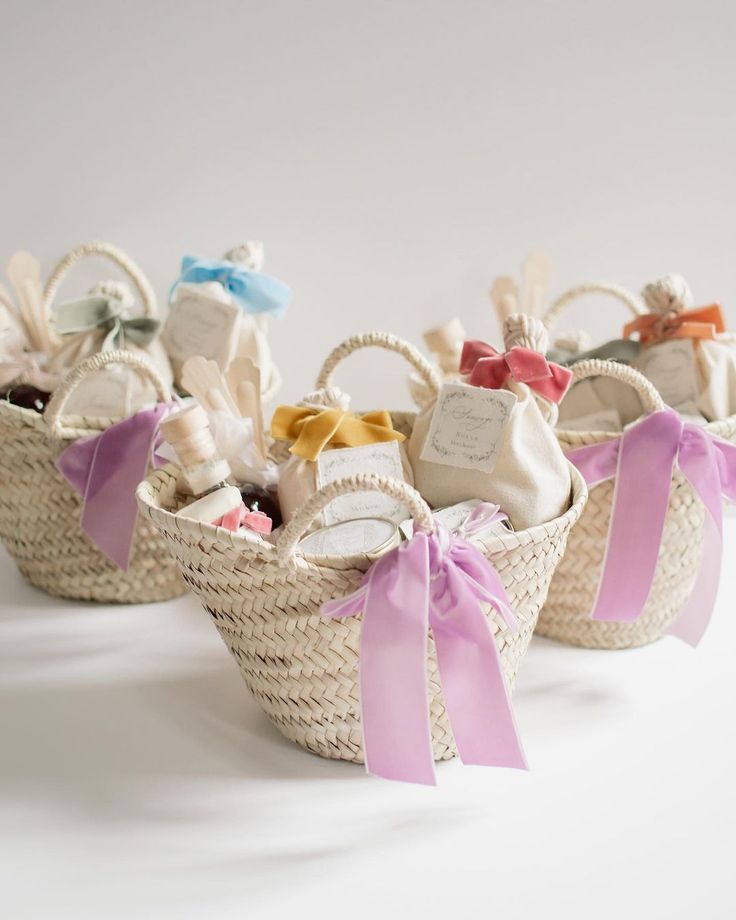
139 779
394 156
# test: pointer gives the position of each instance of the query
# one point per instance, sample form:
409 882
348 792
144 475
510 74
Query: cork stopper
115 290
250 254
574 342
670 294
188 432
526 331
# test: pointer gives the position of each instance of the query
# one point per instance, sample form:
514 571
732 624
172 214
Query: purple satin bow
642 460
105 470
436 580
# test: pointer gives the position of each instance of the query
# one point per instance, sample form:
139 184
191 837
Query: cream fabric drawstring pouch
328 442
489 437
219 309
686 353
106 320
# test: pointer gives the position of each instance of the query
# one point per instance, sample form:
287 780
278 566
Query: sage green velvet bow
107 313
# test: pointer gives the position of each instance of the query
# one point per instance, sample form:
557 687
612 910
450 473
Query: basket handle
142 284
379 340
55 408
596 367
361 482
593 287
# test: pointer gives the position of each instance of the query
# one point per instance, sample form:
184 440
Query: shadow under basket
572 594
303 668
39 523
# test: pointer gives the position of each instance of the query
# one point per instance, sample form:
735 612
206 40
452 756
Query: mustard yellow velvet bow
314 429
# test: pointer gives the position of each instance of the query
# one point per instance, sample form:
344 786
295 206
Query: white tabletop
140 780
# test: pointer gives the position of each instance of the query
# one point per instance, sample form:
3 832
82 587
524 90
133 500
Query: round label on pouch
369 536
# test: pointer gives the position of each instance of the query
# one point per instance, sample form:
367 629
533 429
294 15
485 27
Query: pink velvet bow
105 470
490 369
642 460
438 581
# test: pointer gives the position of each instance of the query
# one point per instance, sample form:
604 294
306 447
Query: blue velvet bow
253 291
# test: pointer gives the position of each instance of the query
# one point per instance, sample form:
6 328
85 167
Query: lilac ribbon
436 580
105 470
642 460
480 519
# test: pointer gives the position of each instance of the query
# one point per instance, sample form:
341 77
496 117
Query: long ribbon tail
473 685
646 456
710 468
105 471
393 667
394 598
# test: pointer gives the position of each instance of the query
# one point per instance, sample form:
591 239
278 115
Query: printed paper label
201 325
671 368
603 420
383 459
467 427
107 395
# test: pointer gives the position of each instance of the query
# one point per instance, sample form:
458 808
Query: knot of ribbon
491 369
479 519
312 429
440 581
107 313
702 323
253 291
642 460
105 470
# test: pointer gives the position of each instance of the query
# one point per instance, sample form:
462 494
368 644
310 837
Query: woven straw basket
265 600
566 614
40 512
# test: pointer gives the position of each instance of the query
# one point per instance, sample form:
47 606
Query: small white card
467 427
454 515
348 538
670 366
200 325
106 395
602 420
383 459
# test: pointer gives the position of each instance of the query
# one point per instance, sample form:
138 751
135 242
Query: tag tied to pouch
467 427
328 442
219 310
489 437
686 352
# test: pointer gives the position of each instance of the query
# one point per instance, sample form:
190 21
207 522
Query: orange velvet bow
702 323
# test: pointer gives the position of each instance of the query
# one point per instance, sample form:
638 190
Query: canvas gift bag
322 423
687 353
219 309
488 438
600 402
106 320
